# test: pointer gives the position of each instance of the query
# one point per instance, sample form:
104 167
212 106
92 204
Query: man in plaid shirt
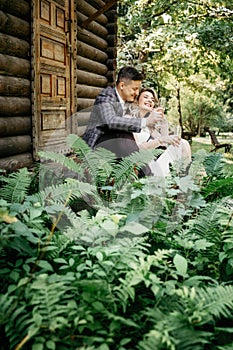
107 127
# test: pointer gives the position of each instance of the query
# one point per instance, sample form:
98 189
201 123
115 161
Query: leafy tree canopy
179 39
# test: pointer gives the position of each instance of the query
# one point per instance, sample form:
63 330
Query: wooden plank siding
52 67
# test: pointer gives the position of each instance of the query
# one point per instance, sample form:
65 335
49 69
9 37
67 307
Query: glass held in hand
162 102
160 112
177 130
133 110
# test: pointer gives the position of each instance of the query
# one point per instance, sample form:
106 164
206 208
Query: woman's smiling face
146 101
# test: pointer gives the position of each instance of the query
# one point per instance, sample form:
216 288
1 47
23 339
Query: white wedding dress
161 167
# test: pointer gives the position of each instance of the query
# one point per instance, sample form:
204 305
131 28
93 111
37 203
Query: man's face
129 90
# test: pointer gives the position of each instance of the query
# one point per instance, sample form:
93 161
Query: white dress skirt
161 167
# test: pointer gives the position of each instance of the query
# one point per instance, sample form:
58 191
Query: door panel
53 80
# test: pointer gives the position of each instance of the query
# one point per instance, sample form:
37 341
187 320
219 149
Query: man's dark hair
128 73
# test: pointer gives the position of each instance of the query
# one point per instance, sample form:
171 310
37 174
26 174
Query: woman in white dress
175 148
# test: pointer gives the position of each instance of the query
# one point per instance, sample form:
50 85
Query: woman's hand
156 116
173 140
159 110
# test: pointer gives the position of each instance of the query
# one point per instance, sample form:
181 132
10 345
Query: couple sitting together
125 118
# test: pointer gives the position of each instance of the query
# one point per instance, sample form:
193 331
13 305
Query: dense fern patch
89 263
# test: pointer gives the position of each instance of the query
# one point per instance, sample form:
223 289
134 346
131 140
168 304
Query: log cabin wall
92 52
15 102
96 54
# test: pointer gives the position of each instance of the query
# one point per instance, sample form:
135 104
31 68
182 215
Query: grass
205 143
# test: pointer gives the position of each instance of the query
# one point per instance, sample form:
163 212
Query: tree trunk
179 109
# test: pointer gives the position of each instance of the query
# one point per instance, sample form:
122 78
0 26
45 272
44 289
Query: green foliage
17 186
149 268
186 46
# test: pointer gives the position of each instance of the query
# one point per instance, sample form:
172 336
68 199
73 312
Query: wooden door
53 64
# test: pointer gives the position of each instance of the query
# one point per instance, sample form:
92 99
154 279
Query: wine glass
162 102
177 130
134 110
161 107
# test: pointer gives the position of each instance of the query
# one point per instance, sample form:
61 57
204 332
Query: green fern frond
69 190
78 145
210 224
214 165
63 160
218 300
125 168
100 163
16 186
14 315
198 159
206 303
172 331
226 347
218 189
180 338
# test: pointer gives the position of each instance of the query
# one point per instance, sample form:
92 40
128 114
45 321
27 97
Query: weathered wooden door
53 65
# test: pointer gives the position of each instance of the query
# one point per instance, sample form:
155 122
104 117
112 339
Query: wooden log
83 103
12 46
11 86
14 106
15 126
112 14
87 91
91 79
19 9
91 39
98 13
111 64
111 52
100 3
93 27
91 66
90 52
88 10
14 26
111 39
15 66
82 117
15 145
112 28
11 164
111 75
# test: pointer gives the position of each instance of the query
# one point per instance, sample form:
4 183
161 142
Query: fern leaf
218 189
125 168
69 190
218 300
214 165
63 160
100 163
16 186
78 145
